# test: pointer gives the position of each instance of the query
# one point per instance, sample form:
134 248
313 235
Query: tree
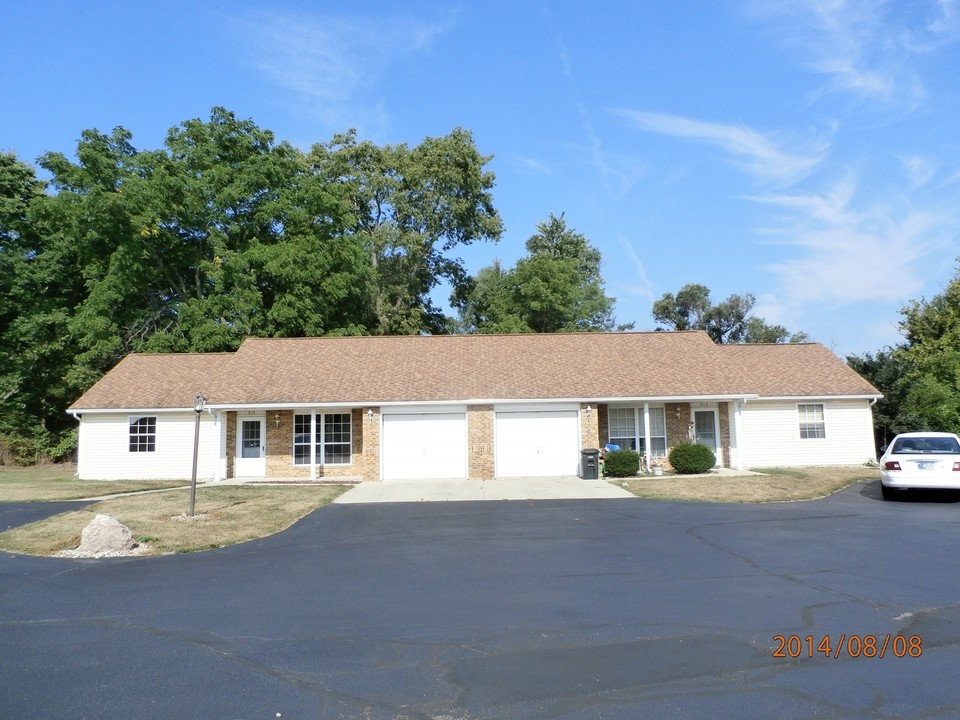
884 370
221 234
931 362
35 297
729 321
920 378
411 209
556 288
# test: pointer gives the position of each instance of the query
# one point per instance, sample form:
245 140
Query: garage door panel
537 443
427 446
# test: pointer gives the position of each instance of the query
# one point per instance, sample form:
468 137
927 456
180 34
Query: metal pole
197 408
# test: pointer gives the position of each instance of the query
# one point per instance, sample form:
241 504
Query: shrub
691 458
622 463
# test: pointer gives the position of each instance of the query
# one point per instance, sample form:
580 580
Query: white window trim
317 426
134 420
641 413
822 423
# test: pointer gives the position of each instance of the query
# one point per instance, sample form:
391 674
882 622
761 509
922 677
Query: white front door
251 459
705 430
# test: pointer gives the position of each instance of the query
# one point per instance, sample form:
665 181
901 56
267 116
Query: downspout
737 429
78 418
313 444
648 450
216 444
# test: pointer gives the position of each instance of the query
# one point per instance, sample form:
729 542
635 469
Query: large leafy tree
557 287
411 209
37 290
220 234
729 321
920 378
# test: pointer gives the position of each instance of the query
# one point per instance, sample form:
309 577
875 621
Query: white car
920 460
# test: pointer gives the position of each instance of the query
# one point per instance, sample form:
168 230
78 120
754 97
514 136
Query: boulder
105 535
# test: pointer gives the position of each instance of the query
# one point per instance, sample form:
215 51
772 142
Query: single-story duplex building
469 406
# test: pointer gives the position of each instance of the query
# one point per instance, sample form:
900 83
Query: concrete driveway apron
551 488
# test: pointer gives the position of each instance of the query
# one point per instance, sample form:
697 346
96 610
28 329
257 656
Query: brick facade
589 427
724 411
480 458
365 429
231 448
278 425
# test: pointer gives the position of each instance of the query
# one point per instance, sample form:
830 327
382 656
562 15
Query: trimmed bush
622 463
691 458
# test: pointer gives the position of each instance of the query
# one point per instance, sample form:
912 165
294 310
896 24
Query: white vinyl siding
104 448
770 435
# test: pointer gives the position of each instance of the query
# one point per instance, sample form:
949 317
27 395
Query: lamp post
198 402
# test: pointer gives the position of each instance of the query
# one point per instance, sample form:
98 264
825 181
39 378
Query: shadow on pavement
871 490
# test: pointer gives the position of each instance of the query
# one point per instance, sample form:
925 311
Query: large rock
105 535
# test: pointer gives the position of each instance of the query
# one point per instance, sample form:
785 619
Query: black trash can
589 464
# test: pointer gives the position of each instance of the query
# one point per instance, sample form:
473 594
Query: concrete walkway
524 488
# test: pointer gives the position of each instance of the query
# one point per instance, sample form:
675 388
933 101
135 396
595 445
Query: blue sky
807 151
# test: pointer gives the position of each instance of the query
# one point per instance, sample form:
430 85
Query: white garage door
537 443
427 446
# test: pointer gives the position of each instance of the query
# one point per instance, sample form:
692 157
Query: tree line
919 377
225 233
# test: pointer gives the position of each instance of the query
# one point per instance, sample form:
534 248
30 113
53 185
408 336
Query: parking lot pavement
474 610
22 513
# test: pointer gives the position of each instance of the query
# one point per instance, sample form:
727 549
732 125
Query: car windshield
927 445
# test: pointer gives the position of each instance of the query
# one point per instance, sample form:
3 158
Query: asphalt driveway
619 608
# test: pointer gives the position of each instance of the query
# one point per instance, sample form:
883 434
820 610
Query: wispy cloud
332 65
763 155
918 169
530 166
862 46
848 254
642 287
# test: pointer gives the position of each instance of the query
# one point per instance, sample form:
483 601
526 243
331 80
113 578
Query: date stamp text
855 646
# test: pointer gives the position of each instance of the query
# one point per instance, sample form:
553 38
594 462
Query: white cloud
918 169
642 287
848 254
765 156
530 166
332 65
864 47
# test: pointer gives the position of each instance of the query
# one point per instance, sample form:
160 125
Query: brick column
590 426
368 459
480 420
231 449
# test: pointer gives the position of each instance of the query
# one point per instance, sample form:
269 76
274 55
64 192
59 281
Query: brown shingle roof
162 380
458 368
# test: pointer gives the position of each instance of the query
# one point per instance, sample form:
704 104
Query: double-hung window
626 429
329 435
812 424
623 427
143 434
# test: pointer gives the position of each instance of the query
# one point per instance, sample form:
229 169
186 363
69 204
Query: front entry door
705 430
251 447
